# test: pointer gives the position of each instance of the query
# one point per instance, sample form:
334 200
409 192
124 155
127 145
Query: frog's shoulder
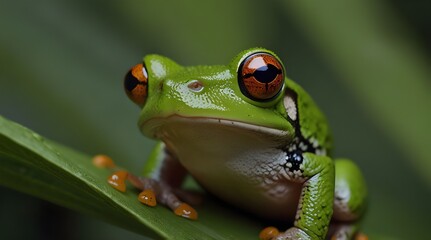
312 123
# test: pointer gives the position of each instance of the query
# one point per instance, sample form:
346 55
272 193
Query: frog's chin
174 126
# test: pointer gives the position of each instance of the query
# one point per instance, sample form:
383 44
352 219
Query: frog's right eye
261 77
136 84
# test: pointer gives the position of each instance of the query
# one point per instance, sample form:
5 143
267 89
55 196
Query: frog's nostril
195 86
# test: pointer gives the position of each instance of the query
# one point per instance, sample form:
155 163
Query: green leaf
32 164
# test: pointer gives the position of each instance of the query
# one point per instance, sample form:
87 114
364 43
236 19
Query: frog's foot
153 191
293 233
165 195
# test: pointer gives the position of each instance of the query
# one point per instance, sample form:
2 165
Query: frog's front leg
161 183
314 211
165 194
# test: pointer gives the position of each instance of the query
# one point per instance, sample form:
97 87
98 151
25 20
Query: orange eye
260 77
136 84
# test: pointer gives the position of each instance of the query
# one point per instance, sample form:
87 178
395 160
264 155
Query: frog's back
312 124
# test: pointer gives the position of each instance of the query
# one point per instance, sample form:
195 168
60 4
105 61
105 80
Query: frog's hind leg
349 201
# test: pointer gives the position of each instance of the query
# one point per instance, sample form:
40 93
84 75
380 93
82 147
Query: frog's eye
260 77
135 84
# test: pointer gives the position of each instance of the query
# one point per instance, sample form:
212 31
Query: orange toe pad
148 197
268 233
184 210
118 180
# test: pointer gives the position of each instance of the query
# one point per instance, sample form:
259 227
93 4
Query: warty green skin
217 132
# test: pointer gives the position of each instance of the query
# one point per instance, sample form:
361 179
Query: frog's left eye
260 76
136 83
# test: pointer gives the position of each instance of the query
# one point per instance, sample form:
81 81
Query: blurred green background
366 63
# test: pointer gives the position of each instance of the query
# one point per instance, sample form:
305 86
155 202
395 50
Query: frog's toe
148 197
168 197
186 211
165 195
268 233
103 161
118 180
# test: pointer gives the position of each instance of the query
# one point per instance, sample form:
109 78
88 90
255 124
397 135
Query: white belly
239 164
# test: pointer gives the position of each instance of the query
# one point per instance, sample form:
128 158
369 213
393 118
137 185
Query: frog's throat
154 127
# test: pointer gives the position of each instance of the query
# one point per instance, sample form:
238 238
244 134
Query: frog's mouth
194 127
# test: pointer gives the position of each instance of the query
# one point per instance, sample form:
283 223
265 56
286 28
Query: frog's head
247 94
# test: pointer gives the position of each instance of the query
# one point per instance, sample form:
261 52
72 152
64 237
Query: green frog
248 135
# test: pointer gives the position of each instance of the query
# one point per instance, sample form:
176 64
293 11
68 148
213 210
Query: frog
248 135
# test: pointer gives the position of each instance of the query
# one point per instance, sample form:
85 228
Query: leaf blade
45 169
